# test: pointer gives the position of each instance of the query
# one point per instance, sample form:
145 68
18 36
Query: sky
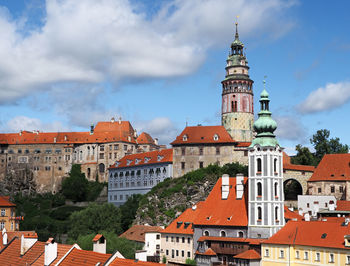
65 64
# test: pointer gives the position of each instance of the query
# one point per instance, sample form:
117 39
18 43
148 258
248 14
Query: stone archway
292 188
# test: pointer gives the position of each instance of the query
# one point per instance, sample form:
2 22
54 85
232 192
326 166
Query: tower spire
236 23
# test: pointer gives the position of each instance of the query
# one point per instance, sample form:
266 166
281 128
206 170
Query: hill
171 197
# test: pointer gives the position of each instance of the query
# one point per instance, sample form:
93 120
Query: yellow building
8 219
324 242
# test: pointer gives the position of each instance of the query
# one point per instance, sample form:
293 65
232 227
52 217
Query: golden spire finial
236 23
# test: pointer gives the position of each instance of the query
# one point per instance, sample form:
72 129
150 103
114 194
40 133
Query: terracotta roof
343 205
146 158
32 254
299 167
286 158
253 241
289 215
224 212
333 167
203 134
127 262
183 223
137 232
243 144
62 249
144 138
104 132
84 257
312 233
208 252
5 202
12 234
250 254
10 254
97 237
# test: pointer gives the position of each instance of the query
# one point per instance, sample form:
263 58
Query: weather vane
236 20
264 81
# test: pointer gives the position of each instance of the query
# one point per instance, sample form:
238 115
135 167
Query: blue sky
67 64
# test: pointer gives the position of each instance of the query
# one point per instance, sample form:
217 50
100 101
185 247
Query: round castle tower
237 95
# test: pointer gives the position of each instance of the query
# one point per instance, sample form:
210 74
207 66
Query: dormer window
128 162
147 159
185 138
159 157
137 161
216 137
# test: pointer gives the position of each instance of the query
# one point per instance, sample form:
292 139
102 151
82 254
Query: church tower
237 95
265 181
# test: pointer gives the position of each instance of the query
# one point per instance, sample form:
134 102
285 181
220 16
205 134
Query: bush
190 262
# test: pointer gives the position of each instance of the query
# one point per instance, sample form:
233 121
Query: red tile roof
12 234
84 257
10 254
333 167
250 254
312 233
243 144
343 205
144 138
5 202
203 134
97 237
224 212
104 132
127 262
62 250
183 223
137 232
208 252
252 241
288 214
145 158
299 167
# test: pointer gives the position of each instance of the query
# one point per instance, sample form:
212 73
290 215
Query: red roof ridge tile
250 254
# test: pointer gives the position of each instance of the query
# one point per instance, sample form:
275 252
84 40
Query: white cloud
161 127
91 42
329 97
27 123
290 128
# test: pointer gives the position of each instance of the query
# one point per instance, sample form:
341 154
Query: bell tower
265 181
237 94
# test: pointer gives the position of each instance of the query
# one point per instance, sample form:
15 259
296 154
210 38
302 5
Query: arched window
259 188
258 162
88 172
275 165
259 213
101 168
206 233
276 187
276 213
240 234
223 234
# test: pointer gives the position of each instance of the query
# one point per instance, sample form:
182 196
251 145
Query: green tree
94 219
304 156
128 211
75 186
323 145
126 247
190 262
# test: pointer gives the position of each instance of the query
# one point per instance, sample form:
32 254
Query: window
167 239
125 147
306 255
259 213
331 258
281 254
259 188
188 240
167 252
183 253
188 254
177 240
3 212
101 168
183 240
206 233
348 259
217 150
341 189
102 155
267 252
201 151
183 151
177 253
223 234
200 164
182 165
332 189
2 225
308 205
258 161
319 190
172 239
47 168
275 165
276 189
102 148
297 254
240 234
276 213
173 253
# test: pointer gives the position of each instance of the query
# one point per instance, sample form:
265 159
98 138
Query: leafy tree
190 262
128 211
75 186
304 156
95 218
126 247
323 145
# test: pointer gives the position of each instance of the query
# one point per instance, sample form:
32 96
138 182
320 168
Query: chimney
307 217
239 186
99 244
347 240
50 251
112 120
120 120
135 133
92 129
331 205
225 186
129 138
54 139
156 141
20 132
4 237
27 241
65 137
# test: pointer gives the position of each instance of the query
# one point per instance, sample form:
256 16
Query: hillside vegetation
171 197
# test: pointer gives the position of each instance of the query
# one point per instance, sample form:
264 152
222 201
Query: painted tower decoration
237 95
266 198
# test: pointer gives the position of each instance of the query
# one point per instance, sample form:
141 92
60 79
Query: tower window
275 165
276 187
259 213
276 213
234 106
259 188
259 165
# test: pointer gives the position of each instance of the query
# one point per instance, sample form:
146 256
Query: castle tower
237 95
265 182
